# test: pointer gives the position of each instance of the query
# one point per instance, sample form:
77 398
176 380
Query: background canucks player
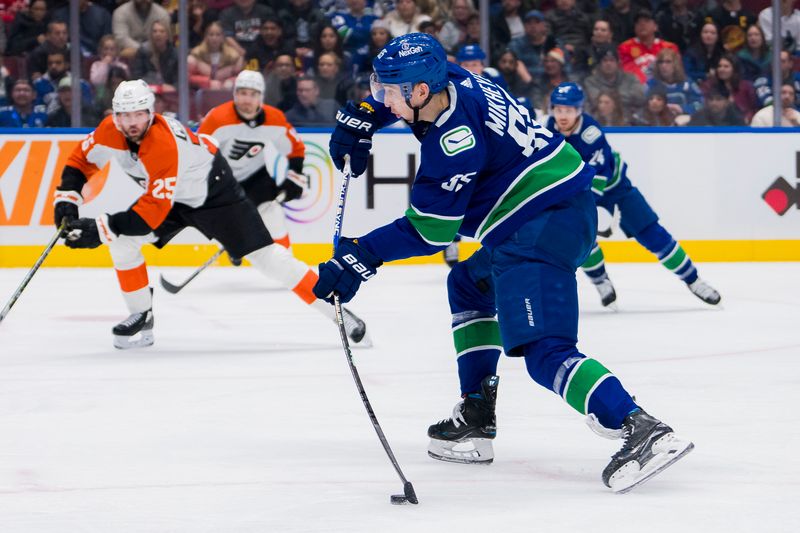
612 190
490 172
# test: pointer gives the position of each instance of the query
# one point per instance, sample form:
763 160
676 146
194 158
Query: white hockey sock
275 220
138 301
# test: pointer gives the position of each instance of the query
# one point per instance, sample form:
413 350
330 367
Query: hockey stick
408 496
175 289
18 292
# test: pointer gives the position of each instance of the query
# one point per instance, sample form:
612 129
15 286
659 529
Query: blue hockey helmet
407 60
567 93
470 52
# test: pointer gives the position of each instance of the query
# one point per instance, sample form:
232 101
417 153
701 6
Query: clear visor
383 92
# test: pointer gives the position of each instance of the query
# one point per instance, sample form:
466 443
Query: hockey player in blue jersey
613 190
490 172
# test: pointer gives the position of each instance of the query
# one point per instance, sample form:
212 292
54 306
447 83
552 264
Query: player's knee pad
635 213
278 263
536 300
470 286
126 250
549 359
274 218
656 239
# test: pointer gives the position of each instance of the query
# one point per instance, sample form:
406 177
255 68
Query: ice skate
704 291
136 331
650 447
467 436
608 296
451 254
356 329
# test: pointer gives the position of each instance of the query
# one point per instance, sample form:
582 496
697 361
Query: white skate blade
667 450
142 339
468 451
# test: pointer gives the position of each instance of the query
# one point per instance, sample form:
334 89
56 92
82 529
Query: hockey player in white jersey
244 128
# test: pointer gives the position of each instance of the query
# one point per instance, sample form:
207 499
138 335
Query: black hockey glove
294 186
88 232
343 274
65 207
353 136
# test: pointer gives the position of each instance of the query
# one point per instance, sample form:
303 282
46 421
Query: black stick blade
169 287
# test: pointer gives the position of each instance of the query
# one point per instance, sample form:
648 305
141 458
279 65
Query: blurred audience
131 23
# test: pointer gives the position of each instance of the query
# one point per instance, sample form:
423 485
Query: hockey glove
343 274
294 186
65 207
353 136
89 232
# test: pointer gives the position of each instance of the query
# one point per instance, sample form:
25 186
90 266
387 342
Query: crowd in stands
640 62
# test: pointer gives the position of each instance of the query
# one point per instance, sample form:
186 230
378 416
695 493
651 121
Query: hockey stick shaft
175 289
337 232
31 272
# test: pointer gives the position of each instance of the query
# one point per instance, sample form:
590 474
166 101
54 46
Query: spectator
22 113
214 64
200 16
789 25
703 54
608 111
504 25
609 77
473 34
454 29
354 26
679 24
728 74
732 22
656 112
717 111
109 57
429 27
5 85
405 18
105 93
56 40
330 81
306 21
28 29
329 40
93 23
242 23
517 79
531 48
131 24
310 109
638 54
554 74
569 26
621 15
790 117
763 85
270 43
156 61
683 96
280 85
61 115
755 55
46 85
584 60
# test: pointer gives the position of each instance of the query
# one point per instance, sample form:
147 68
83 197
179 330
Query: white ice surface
244 417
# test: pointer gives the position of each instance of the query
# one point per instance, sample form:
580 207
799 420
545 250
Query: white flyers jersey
243 142
171 165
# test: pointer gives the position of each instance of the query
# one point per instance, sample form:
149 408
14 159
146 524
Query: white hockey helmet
249 79
134 95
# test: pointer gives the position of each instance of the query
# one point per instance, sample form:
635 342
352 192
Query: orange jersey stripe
304 289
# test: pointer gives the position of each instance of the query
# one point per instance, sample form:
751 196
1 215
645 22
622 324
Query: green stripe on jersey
675 259
599 184
595 259
583 380
617 171
543 175
478 333
437 230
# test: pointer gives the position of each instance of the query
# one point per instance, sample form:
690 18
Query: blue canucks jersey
486 169
590 141
11 118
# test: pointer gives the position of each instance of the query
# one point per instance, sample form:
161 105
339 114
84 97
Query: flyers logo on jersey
240 149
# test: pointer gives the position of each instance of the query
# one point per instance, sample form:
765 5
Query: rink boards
727 194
